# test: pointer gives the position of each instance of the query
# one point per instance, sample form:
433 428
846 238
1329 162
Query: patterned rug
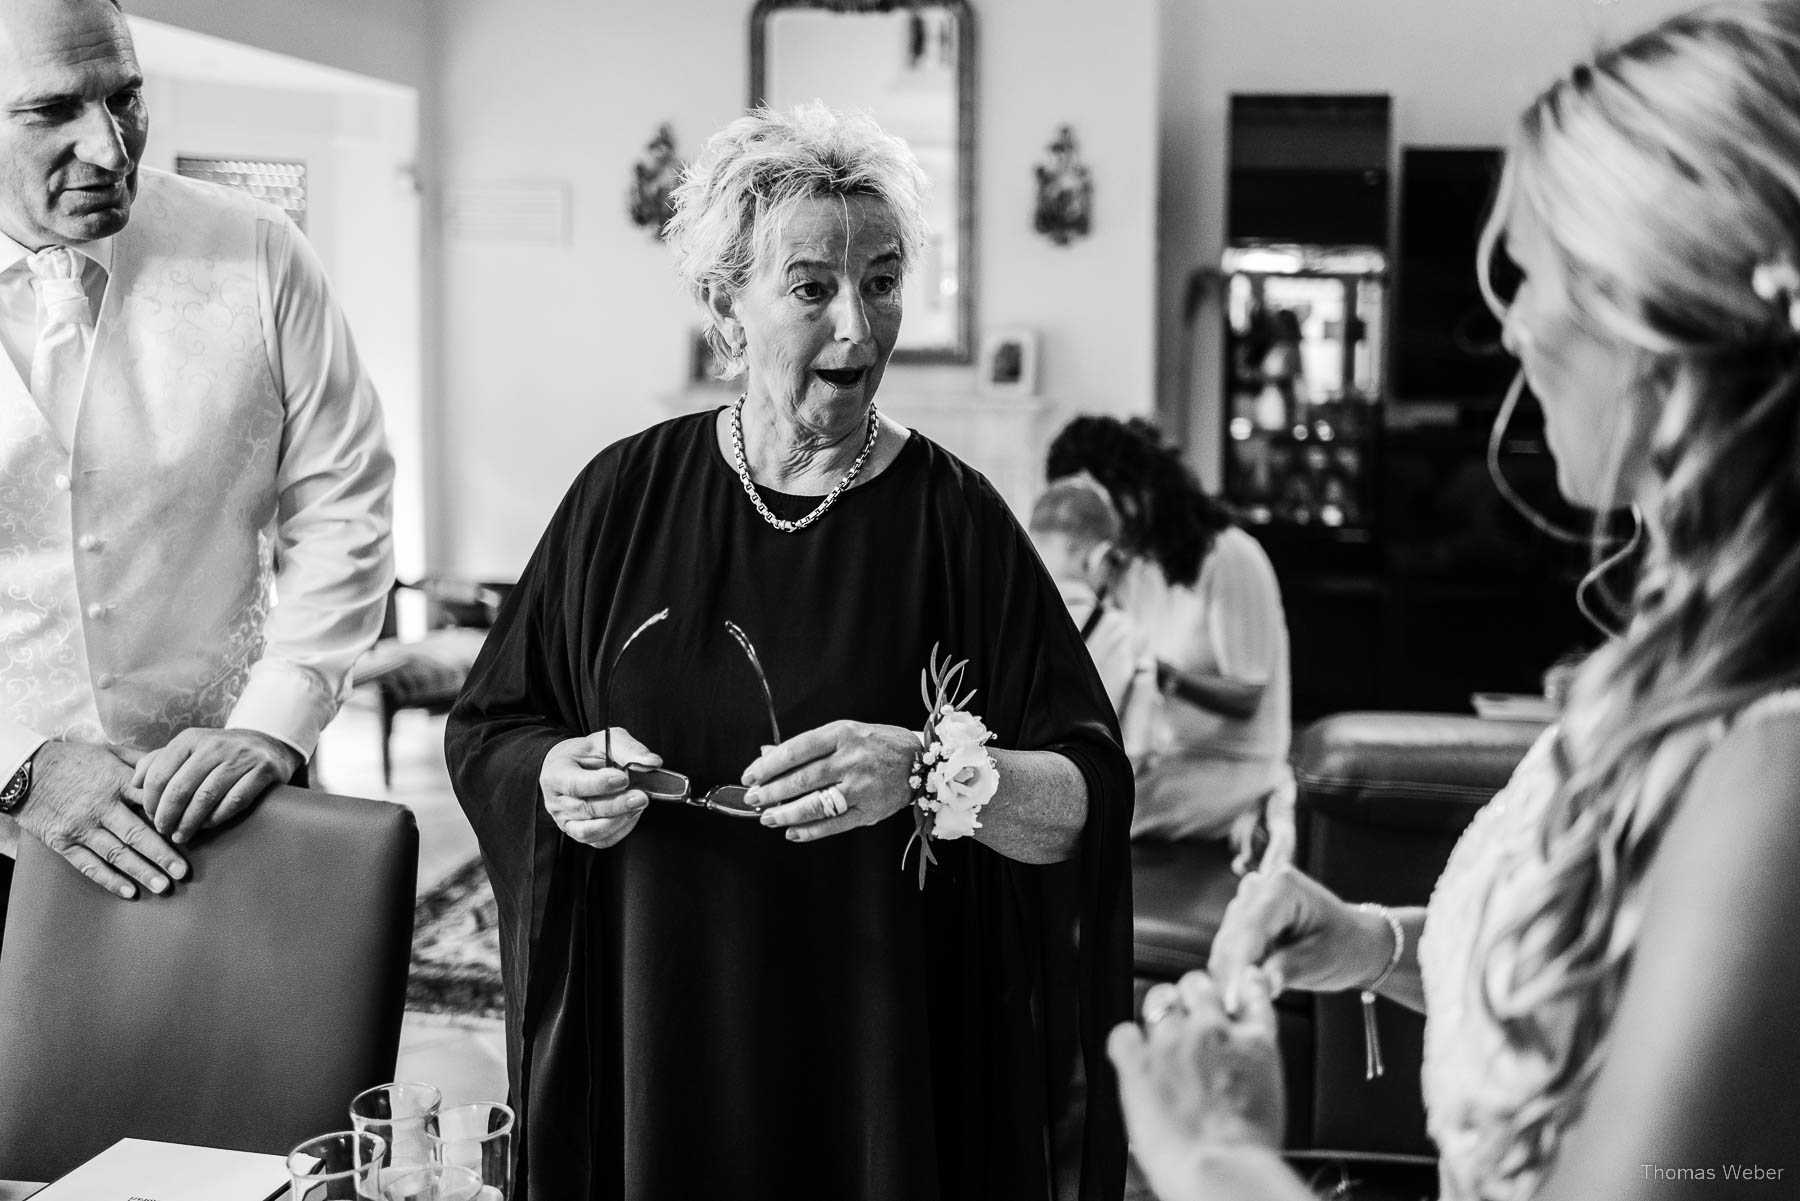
456 949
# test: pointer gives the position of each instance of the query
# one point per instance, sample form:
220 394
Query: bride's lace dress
1472 1079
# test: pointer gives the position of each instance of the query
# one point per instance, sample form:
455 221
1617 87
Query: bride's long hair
1667 173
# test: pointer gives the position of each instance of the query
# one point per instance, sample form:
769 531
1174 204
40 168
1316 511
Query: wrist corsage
952 776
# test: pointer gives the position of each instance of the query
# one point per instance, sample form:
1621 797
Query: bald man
185 432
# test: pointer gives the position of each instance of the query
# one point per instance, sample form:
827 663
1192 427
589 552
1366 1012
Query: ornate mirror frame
962 351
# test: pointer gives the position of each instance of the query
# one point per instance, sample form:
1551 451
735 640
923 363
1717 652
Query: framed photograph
1009 362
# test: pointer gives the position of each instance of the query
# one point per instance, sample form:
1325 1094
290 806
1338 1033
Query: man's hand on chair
204 777
77 808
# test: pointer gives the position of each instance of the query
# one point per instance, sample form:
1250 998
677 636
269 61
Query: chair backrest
244 1010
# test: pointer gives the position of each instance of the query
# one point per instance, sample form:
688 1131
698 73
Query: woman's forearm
1214 693
1037 814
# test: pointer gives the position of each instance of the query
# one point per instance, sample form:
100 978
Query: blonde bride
1606 966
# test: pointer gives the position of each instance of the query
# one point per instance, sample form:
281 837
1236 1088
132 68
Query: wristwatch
17 789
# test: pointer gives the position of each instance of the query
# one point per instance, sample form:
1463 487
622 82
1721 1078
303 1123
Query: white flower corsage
952 776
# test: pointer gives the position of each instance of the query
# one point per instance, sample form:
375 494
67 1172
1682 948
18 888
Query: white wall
359 148
1458 71
385 39
541 355
551 352
359 134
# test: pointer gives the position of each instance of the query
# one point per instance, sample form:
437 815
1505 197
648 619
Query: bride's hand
1298 932
590 801
1195 1080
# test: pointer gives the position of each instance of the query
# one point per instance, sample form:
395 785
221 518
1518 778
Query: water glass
398 1113
336 1167
430 1182
477 1137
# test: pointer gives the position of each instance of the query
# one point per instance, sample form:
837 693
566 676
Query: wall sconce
1065 192
653 180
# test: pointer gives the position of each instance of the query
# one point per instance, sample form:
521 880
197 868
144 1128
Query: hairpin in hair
1777 281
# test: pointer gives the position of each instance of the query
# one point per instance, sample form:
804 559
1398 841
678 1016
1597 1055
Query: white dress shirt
323 451
1229 623
1121 654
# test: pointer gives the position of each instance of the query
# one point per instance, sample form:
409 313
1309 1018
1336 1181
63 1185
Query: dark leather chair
243 1010
1383 799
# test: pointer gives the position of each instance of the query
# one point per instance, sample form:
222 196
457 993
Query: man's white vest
135 566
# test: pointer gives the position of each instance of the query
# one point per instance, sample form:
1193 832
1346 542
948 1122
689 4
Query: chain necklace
743 471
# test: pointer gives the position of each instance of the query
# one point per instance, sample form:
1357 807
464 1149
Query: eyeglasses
662 784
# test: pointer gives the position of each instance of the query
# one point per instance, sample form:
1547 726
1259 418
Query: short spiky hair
1079 507
734 198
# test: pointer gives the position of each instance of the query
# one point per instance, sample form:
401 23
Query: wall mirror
910 65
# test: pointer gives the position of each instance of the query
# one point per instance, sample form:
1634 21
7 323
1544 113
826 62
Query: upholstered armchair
428 672
1383 799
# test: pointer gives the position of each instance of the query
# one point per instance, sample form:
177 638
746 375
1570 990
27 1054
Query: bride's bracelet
1372 1065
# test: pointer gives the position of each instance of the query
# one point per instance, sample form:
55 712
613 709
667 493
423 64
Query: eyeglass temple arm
613 671
743 640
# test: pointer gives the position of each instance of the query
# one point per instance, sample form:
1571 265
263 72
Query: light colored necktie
65 332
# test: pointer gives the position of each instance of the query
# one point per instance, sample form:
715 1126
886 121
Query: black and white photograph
899 600
1009 362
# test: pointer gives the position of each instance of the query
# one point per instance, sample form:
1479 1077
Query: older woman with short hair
692 751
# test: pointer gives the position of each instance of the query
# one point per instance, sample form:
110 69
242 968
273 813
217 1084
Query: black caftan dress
706 1010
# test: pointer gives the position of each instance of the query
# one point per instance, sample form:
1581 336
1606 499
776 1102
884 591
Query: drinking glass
398 1113
430 1182
477 1137
336 1167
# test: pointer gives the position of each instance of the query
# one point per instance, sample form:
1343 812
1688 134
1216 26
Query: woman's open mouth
843 378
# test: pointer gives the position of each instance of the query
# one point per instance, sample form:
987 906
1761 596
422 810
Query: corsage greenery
952 776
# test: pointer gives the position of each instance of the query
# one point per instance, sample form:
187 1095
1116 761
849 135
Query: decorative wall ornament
653 181
1065 192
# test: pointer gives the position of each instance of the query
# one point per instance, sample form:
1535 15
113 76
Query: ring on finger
1162 1009
834 800
1161 1001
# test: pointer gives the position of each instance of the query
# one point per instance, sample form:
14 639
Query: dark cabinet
1409 581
